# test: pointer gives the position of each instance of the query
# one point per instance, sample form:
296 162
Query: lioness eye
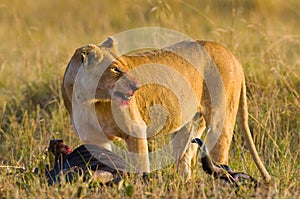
116 70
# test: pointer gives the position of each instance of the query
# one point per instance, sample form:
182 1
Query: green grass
37 39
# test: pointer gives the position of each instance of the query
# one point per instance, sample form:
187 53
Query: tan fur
206 54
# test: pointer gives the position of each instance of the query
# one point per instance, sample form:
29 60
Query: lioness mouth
125 97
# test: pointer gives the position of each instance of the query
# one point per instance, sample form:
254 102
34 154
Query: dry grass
37 38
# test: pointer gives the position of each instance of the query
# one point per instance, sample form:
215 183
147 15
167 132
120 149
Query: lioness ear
111 44
91 55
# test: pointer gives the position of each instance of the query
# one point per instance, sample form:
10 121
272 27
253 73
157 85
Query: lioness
220 95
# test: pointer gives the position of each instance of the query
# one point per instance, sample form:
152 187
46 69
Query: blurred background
37 36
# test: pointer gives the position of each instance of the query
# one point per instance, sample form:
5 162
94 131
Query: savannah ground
37 39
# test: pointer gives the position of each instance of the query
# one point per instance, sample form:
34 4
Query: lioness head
114 82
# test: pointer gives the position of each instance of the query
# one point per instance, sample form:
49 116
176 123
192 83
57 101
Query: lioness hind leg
183 150
218 139
219 149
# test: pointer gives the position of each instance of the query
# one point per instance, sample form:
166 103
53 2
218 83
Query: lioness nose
134 86
132 83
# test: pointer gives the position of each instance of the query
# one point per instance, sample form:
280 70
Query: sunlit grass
37 39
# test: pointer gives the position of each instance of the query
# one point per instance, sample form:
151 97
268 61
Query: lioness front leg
138 148
134 133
